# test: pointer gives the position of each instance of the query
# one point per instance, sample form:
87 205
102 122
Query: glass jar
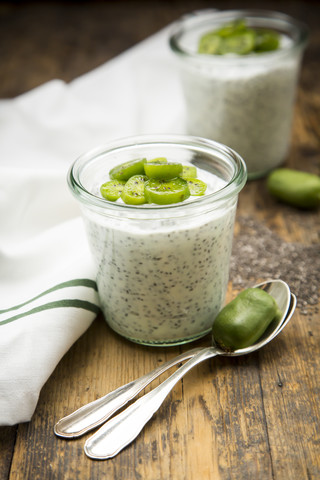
243 101
162 270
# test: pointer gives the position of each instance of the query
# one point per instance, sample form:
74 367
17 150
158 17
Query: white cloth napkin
48 295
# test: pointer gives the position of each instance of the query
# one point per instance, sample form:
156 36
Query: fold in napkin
48 295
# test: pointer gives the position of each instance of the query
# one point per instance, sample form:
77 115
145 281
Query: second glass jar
243 101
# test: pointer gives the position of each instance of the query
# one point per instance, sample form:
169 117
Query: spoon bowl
122 429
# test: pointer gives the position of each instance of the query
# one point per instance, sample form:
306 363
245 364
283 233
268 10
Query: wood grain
254 417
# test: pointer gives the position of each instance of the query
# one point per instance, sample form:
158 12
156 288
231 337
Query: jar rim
200 17
232 187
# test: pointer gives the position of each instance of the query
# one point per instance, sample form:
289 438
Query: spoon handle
97 412
121 430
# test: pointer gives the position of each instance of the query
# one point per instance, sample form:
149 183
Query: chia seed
259 254
153 301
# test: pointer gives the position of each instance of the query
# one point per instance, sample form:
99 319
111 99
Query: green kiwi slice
165 192
158 160
112 189
266 40
196 187
162 170
126 170
209 44
241 44
230 28
133 192
188 171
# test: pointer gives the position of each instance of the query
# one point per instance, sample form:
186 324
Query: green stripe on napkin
58 304
82 282
61 303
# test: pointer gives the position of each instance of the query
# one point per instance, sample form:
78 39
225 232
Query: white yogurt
164 282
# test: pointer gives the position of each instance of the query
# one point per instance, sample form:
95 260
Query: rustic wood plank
7 443
290 392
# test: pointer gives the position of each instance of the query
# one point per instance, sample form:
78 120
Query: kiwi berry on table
297 188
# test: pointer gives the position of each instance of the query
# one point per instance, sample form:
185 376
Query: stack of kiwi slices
156 181
237 38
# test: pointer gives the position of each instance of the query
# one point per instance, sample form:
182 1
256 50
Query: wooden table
253 417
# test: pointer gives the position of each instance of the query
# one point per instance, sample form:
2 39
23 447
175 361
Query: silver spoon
121 430
97 412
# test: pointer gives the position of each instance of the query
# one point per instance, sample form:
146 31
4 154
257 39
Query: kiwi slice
241 44
210 44
112 189
165 192
126 170
162 170
266 40
158 160
188 172
237 26
133 192
196 187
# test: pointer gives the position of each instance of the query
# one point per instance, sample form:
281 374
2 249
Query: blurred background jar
242 100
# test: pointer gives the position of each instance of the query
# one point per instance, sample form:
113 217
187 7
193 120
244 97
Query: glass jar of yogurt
162 270
243 101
